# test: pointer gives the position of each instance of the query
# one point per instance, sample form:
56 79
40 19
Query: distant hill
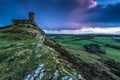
26 53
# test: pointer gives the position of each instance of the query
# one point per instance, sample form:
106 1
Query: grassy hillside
23 56
77 42
26 53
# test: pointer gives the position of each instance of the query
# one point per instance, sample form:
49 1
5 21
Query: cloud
111 30
63 14
96 16
78 15
107 14
93 4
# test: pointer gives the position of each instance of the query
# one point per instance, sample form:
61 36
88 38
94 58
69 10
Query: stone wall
20 21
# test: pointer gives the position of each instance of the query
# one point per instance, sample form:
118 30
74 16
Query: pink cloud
78 16
92 4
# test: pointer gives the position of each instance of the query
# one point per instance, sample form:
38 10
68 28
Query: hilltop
23 55
26 53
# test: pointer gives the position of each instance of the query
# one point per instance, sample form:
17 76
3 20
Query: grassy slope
21 53
75 47
69 41
112 54
84 62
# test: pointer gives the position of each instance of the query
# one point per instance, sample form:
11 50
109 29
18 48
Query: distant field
112 54
77 42
109 40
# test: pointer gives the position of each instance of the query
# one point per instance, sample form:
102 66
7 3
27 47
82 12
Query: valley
78 42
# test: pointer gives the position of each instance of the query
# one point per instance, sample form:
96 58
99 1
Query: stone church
25 21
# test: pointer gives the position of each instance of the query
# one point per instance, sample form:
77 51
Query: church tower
31 17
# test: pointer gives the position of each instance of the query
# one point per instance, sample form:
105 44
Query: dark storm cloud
63 14
99 16
111 13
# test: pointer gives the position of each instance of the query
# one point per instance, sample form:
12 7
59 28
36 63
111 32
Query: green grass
52 37
28 41
3 42
85 56
112 54
72 46
18 60
76 44
20 55
65 39
81 42
108 40
71 42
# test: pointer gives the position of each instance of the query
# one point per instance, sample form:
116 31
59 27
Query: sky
56 15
